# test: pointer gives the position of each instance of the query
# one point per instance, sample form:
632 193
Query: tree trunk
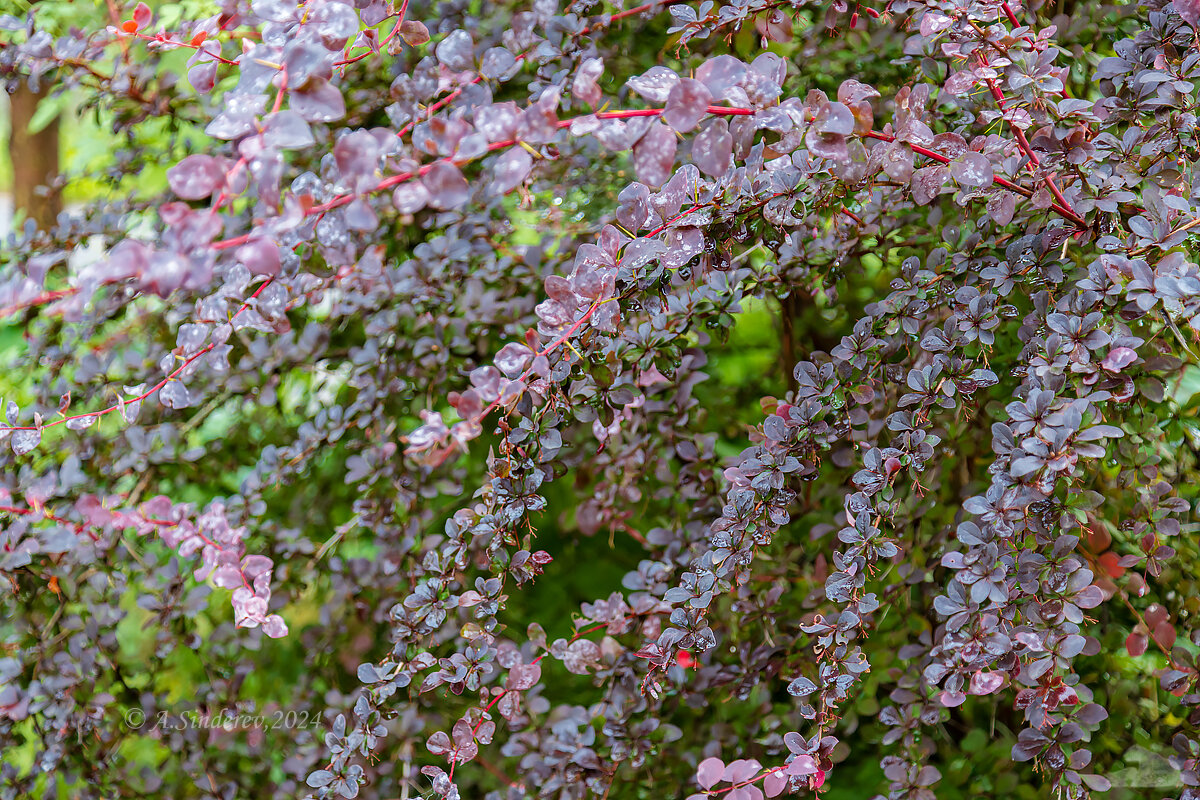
34 160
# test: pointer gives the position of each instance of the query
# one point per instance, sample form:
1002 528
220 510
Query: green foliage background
752 361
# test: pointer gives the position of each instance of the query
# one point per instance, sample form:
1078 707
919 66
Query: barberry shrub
407 400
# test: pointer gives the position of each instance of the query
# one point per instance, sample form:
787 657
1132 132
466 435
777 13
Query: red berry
199 38
1112 564
129 26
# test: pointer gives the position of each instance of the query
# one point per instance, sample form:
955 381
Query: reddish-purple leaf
709 772
538 124
654 155
802 765
743 769
24 441
1189 10
510 170
898 161
971 169
1001 207
585 87
446 186
524 676
318 101
196 176
927 183
260 256
654 84
687 103
1165 634
439 743
142 15
456 51
986 682
410 197
1119 358
775 783
712 148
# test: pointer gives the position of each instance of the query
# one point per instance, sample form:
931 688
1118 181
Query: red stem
396 180
203 351
1062 211
1035 162
26 511
44 297
566 334
1008 12
386 39
162 39
620 15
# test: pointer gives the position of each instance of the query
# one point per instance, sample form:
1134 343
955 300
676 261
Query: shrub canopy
541 399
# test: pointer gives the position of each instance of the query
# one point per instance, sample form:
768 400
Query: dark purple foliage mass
424 280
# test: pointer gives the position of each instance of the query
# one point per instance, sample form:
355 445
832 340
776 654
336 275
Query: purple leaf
927 183
581 656
446 186
456 51
802 765
654 84
1001 207
498 122
1189 10
1119 358
585 87
227 577
654 155
253 566
513 358
410 197
23 441
712 148
524 676
196 177
439 743
971 169
319 101
175 395
834 118
986 682
260 256
538 124
898 161
709 772
740 770
498 64
510 170
687 103
356 153
287 130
